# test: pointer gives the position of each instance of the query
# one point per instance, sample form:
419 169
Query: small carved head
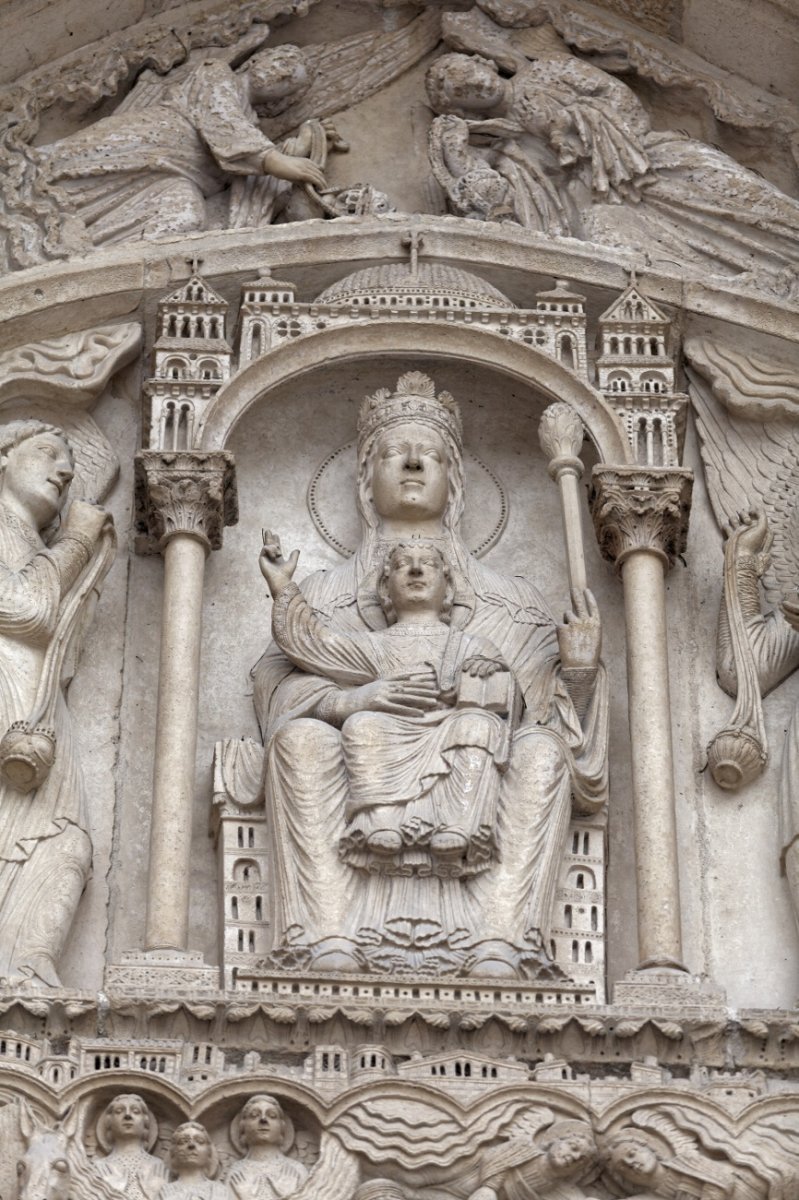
262 1122
465 84
192 1147
127 1118
415 573
277 77
570 1149
635 1156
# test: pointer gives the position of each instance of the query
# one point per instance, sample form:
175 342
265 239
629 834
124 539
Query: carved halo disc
484 520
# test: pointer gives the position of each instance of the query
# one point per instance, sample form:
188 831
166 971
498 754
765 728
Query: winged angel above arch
228 138
528 132
747 411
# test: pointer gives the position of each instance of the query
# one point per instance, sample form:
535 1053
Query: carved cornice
641 508
183 491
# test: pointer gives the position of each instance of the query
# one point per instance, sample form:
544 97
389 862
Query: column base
661 987
179 972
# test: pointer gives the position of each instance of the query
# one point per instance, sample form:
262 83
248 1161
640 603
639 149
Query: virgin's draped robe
415 776
553 758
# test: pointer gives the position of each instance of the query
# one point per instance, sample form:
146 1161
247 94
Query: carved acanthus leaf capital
183 491
641 508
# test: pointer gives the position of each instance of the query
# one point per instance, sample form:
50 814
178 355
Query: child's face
416 580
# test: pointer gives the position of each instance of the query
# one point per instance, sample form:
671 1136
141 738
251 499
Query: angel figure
408 771
264 1134
148 170
747 413
49 573
195 1163
578 148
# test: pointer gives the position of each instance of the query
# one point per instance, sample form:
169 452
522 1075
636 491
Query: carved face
569 1152
410 473
261 1122
127 1118
416 579
277 74
468 85
37 475
191 1147
635 1158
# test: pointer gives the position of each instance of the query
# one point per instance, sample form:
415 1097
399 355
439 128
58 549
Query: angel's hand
276 570
750 537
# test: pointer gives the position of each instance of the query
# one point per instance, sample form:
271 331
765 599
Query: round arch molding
412 338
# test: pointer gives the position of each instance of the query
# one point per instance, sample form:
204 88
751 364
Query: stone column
641 521
183 500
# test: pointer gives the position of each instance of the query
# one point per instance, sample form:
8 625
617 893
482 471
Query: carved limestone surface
561 129
126 1132
639 508
412 663
48 580
183 492
747 412
195 1164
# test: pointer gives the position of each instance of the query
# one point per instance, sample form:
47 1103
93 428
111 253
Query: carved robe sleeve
222 115
313 646
775 645
30 597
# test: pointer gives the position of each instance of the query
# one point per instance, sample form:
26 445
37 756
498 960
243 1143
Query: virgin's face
37 475
410 476
191 1147
262 1122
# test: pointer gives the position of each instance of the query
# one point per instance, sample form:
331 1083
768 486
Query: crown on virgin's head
415 399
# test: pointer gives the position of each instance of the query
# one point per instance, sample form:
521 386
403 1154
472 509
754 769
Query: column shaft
175 744
659 935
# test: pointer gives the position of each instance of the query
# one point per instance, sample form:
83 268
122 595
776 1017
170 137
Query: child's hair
382 582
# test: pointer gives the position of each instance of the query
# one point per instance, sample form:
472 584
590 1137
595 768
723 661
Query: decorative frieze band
183 491
641 508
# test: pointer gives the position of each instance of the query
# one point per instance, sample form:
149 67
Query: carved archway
431 339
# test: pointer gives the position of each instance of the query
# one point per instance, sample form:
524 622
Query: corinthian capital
183 491
641 508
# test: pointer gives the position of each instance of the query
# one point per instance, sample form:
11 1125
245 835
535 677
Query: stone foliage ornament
49 578
561 129
412 913
747 410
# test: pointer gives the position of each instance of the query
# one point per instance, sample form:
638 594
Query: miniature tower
192 361
561 326
578 915
636 374
266 314
239 827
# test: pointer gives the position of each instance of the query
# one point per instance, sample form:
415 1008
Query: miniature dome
431 285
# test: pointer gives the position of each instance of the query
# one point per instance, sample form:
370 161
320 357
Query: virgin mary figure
328 912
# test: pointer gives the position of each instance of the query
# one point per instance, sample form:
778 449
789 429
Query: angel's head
466 84
277 77
192 1149
36 469
635 1156
570 1148
262 1122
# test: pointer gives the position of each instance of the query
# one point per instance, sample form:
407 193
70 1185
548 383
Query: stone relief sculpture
343 901
195 1164
578 149
747 411
264 1135
127 1131
47 586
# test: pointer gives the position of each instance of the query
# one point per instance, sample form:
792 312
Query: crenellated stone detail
641 508
183 491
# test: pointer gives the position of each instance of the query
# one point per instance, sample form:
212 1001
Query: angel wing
747 415
150 86
354 68
335 1175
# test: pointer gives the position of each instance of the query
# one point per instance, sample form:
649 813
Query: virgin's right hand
406 694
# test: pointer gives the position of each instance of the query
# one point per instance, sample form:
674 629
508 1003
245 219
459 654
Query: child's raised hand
276 570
